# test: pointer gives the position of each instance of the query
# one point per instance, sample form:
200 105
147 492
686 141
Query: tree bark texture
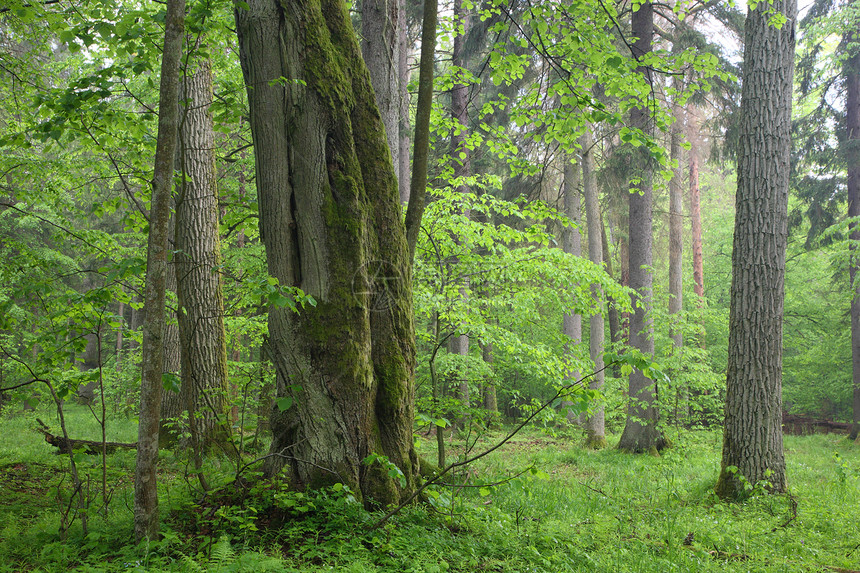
331 223
595 422
641 433
405 126
752 438
145 480
203 342
171 402
571 325
852 116
380 47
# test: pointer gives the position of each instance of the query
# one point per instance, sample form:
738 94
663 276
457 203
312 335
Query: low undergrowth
539 504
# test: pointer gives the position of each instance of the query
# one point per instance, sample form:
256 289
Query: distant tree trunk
676 252
696 225
381 21
461 160
612 314
119 332
676 231
572 323
331 222
852 80
594 424
641 433
203 340
752 438
489 391
145 480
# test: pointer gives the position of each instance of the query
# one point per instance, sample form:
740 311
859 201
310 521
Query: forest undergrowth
541 503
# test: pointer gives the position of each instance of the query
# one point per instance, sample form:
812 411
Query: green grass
579 511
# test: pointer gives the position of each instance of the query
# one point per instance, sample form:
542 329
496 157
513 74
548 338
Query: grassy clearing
578 510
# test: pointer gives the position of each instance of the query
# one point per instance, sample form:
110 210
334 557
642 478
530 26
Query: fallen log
801 425
90 447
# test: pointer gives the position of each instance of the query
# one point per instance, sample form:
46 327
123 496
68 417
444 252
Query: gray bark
572 323
381 21
752 437
203 345
405 127
676 231
641 433
145 481
595 422
461 159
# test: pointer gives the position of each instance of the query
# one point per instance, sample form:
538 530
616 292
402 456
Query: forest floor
570 510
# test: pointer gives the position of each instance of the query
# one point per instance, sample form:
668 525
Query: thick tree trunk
381 21
641 433
752 438
595 422
145 481
571 325
331 222
852 80
203 344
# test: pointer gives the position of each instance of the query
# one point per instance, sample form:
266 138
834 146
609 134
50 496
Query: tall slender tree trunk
145 479
595 422
641 433
752 437
421 138
203 341
331 222
676 252
676 231
461 159
571 322
852 116
696 225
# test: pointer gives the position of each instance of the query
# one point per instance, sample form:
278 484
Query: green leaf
284 403
171 382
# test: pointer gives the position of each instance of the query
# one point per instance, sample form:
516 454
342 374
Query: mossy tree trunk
752 436
331 223
145 478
